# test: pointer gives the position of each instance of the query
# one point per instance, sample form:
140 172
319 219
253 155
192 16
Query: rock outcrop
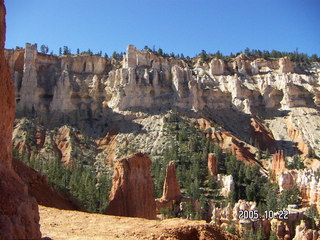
212 164
40 189
297 137
303 233
19 216
132 188
171 196
63 144
171 186
217 67
262 136
278 164
306 180
228 141
285 65
226 184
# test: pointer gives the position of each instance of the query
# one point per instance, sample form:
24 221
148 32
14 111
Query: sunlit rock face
171 186
132 188
144 80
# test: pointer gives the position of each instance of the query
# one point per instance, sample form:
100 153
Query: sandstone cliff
132 188
19 216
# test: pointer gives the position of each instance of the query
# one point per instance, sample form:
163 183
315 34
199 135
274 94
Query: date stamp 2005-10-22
268 214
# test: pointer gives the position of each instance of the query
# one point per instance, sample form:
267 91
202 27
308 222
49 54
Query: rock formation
285 65
40 189
303 233
297 137
278 164
212 164
228 141
217 67
171 186
262 136
280 228
226 184
87 91
132 188
63 143
306 180
19 217
171 196
82 87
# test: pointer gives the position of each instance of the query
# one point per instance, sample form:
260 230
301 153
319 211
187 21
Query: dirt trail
74 225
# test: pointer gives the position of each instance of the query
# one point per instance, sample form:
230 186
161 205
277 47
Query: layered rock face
65 84
132 188
19 217
88 91
171 186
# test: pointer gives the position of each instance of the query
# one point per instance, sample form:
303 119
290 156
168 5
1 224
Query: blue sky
179 26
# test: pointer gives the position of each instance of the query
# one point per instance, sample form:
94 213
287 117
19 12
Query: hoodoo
132 188
171 186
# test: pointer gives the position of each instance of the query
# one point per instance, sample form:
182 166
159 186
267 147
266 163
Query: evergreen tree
44 49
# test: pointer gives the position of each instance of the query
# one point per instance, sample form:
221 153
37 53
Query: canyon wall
90 91
19 216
